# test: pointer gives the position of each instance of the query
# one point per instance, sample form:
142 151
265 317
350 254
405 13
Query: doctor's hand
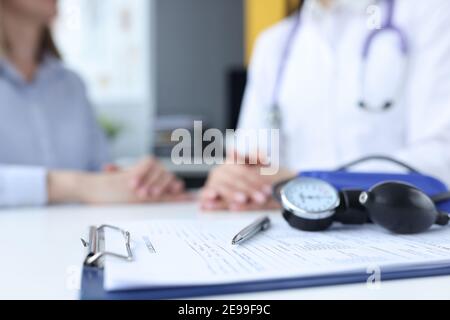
240 187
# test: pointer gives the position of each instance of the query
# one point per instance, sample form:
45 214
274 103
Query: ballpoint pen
259 225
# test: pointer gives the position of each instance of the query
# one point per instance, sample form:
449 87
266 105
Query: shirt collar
316 8
49 66
9 71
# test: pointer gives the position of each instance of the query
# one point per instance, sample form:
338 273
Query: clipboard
93 273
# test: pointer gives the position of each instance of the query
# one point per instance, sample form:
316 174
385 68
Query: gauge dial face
309 195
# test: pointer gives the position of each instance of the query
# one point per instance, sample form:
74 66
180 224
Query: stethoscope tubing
387 26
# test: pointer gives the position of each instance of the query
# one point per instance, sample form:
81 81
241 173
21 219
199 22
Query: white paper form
191 253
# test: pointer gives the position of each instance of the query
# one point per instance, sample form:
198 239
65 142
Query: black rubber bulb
400 208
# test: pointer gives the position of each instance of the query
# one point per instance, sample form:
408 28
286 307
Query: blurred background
152 66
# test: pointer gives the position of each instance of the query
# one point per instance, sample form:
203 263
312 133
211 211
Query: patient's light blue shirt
45 124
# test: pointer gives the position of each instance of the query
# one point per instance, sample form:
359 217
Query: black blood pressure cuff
343 180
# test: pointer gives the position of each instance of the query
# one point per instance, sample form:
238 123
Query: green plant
111 127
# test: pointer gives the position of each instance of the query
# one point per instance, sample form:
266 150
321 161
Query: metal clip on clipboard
96 245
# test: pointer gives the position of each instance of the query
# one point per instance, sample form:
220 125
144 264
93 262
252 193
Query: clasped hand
148 181
241 186
236 185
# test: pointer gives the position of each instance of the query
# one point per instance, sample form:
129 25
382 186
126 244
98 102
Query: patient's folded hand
148 181
149 178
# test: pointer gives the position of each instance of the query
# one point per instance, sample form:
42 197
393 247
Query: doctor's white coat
322 124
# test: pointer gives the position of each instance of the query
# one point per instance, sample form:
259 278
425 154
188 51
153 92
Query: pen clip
250 231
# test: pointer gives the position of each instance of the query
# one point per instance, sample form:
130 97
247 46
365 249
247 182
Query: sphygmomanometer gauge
309 204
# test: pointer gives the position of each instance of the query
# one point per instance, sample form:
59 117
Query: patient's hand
149 178
147 181
115 188
240 188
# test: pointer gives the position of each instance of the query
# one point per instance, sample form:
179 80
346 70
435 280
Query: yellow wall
259 15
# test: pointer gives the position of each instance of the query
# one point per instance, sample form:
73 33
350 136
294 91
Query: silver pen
256 227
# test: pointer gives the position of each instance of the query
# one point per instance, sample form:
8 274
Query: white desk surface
42 256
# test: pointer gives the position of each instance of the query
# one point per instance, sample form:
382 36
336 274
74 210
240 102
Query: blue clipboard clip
96 244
